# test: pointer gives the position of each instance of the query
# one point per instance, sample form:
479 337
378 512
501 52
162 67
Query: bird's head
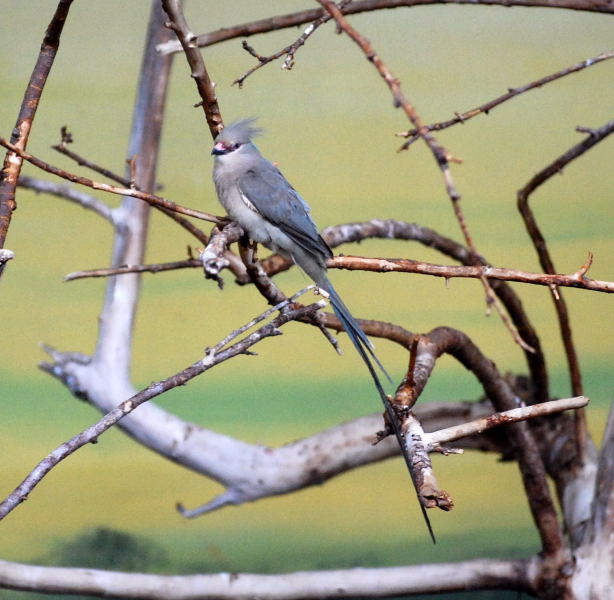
235 137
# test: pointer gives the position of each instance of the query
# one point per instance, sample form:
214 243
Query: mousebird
258 197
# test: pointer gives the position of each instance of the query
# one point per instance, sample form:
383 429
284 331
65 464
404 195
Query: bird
257 196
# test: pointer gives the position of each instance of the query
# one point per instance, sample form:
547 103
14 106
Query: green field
329 124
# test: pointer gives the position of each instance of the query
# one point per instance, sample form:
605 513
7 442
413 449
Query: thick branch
347 583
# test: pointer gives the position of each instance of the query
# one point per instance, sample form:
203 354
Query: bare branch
13 160
512 93
380 265
288 51
357 6
62 148
547 264
105 187
451 434
440 154
206 87
519 574
92 433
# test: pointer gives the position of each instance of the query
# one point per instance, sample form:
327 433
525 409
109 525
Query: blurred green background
329 124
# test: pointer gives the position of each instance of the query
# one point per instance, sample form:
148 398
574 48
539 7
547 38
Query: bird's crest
240 132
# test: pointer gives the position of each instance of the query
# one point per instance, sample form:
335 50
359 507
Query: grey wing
268 191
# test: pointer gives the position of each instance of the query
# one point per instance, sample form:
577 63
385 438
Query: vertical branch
113 350
188 41
21 132
547 264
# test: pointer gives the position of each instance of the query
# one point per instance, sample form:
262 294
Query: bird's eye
234 146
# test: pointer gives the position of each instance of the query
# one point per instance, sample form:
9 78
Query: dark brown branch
357 6
105 187
445 339
512 93
92 433
19 137
206 87
547 264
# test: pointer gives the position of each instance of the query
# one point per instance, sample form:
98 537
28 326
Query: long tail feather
365 349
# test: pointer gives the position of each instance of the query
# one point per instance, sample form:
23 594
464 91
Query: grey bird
259 198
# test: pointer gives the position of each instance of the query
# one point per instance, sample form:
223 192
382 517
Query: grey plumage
259 198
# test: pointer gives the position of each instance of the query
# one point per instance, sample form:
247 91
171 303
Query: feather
240 132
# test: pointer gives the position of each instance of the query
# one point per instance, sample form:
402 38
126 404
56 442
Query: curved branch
62 190
547 264
358 6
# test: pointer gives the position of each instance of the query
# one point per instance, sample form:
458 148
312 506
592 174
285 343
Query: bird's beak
219 148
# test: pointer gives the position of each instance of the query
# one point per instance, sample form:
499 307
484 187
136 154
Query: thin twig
92 433
105 187
67 138
288 51
523 413
62 148
485 108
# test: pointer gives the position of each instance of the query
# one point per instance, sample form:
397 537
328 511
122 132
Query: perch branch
383 265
